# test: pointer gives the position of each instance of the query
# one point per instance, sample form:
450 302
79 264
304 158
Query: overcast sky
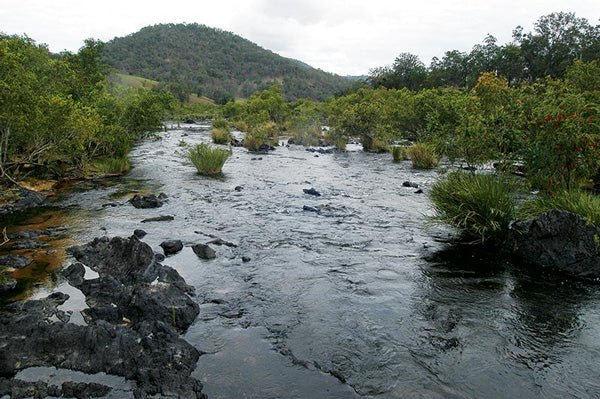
347 37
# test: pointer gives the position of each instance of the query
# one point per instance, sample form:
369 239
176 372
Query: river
363 299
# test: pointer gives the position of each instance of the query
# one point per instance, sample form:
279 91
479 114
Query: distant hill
194 58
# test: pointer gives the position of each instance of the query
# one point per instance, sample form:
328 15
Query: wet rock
83 390
203 251
110 205
27 244
410 184
291 141
311 191
74 274
17 389
9 284
27 199
139 233
219 242
148 201
558 240
159 257
171 247
308 208
320 150
419 191
246 259
15 261
162 218
189 121
238 188
264 148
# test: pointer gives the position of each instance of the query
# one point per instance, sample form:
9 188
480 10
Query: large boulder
148 201
559 240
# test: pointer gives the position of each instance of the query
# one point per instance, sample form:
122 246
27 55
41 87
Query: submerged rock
203 251
15 261
309 208
162 218
410 184
558 240
148 201
139 233
311 191
171 247
219 242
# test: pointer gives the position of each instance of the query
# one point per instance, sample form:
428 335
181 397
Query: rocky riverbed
346 294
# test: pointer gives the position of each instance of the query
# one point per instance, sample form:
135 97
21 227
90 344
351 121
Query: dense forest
193 58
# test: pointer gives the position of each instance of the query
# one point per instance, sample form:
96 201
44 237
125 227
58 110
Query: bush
307 135
423 156
266 133
578 202
207 160
399 153
220 123
481 206
221 136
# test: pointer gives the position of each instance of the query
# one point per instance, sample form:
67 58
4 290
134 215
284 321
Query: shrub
423 156
399 153
242 126
340 143
307 135
207 160
220 123
481 206
266 133
109 166
578 202
221 136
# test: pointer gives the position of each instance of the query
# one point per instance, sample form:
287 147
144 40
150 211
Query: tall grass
221 136
220 123
109 166
207 160
423 156
480 206
399 153
578 202
267 133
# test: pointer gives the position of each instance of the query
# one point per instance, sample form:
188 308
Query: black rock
410 184
27 199
219 242
238 188
419 191
291 141
246 259
159 257
311 191
84 390
74 274
139 233
110 205
203 251
8 285
558 240
264 148
15 261
189 121
148 201
308 208
171 247
162 218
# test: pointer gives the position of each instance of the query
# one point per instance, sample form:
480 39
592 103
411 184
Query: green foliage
215 63
480 206
423 156
220 123
221 136
109 166
400 153
578 202
266 133
207 160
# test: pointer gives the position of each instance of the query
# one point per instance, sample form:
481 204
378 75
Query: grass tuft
267 133
109 166
207 160
480 206
221 136
399 153
423 156
578 202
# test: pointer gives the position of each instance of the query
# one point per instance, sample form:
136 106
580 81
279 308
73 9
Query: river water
361 300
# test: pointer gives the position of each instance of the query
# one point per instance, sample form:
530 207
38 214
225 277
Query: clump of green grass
423 156
221 136
399 153
480 206
220 123
578 202
207 160
109 166
307 135
261 134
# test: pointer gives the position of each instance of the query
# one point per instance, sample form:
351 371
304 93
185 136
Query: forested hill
197 59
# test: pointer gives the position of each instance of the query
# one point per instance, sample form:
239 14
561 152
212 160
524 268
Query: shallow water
360 300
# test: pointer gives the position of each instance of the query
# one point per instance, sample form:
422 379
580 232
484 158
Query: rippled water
360 300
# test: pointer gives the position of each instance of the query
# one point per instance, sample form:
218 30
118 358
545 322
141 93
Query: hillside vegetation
193 58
